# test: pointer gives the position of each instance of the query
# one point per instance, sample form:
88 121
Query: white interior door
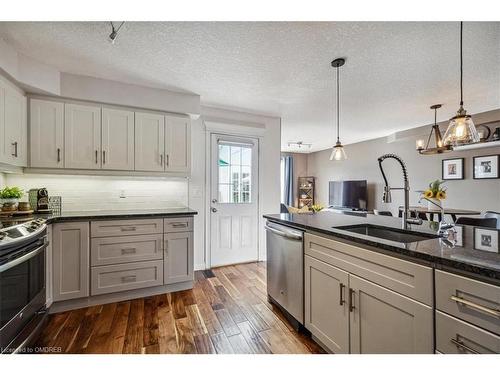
233 200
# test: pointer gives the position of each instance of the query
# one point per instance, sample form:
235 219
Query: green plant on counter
13 192
316 207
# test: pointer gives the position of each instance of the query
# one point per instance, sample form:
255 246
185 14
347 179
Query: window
235 174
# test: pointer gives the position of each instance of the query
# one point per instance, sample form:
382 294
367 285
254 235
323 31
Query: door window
235 173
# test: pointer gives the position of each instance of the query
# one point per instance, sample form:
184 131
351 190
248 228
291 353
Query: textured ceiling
394 71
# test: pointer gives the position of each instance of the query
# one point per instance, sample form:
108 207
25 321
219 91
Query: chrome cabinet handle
459 344
341 300
213 209
130 278
58 155
96 155
129 250
127 229
168 161
179 225
15 149
103 157
486 310
351 299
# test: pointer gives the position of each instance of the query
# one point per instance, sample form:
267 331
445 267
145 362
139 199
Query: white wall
92 193
362 164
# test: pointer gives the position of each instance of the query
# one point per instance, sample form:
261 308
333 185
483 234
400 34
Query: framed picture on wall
485 167
453 169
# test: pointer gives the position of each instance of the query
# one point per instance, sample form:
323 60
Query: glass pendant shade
461 131
338 152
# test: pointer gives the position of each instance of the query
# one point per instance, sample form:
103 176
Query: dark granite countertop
115 214
475 253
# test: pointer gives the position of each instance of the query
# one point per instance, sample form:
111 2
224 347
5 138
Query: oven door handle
24 258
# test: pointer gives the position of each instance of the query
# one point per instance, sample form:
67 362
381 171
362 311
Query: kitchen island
370 287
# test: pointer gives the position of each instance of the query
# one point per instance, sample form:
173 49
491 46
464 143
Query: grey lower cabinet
385 322
70 254
348 310
115 256
326 310
178 257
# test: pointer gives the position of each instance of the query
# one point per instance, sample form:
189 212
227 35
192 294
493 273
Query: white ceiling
394 71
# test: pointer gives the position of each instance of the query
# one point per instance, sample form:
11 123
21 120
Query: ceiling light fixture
299 144
338 152
114 32
461 129
440 146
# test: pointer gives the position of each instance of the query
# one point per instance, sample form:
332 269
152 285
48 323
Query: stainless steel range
22 283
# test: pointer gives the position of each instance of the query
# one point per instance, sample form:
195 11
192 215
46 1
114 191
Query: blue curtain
288 183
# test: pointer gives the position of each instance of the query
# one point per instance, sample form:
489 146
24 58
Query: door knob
214 209
214 200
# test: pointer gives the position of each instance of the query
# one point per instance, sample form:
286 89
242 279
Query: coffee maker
39 200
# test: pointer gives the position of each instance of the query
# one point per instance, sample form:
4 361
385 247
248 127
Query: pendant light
440 146
461 129
338 152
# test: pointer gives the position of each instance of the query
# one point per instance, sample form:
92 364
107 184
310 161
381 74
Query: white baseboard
199 267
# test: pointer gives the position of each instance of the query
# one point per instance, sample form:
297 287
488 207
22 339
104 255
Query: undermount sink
386 233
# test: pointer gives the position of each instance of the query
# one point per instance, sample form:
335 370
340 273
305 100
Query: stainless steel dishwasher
285 271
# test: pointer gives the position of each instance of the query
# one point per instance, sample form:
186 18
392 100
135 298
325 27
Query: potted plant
10 196
436 193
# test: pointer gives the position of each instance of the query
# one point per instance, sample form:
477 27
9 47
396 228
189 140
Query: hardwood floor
226 312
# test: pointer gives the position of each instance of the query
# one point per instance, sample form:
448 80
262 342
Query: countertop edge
475 271
118 216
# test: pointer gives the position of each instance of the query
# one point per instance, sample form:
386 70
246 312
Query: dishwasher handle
284 233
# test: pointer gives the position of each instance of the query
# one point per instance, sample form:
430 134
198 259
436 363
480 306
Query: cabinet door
326 309
70 254
383 321
117 139
46 134
82 136
178 257
177 144
149 142
15 148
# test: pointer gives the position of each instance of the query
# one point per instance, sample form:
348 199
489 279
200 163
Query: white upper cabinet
117 139
46 134
149 142
82 136
177 144
93 137
13 127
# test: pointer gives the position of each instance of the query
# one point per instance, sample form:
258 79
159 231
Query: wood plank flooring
226 312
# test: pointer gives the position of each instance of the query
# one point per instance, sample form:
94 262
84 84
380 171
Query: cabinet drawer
114 250
117 278
473 301
410 279
178 224
454 336
111 228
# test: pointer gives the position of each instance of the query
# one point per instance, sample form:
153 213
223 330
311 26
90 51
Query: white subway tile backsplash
107 192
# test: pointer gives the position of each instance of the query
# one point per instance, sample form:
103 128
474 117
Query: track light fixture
114 31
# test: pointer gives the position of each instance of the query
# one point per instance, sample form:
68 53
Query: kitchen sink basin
387 233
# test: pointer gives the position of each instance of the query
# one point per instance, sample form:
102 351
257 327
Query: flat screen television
348 194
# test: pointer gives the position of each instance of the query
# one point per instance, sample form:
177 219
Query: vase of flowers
435 193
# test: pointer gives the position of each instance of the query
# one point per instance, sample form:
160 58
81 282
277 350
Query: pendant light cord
461 64
338 106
